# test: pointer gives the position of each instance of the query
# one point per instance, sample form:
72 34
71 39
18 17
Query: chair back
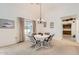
40 33
32 39
33 33
47 33
47 39
50 37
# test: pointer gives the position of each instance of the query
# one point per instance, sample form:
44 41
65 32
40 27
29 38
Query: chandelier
40 20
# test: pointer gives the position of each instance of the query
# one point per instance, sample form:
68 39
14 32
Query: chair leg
33 46
38 45
45 44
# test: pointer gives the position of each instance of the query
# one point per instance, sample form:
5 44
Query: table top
41 37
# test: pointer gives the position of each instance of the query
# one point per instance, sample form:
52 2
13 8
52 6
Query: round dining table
41 37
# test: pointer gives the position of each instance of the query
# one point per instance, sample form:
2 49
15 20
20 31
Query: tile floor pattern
61 47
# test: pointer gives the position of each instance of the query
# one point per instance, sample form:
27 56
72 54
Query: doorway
69 28
26 27
29 28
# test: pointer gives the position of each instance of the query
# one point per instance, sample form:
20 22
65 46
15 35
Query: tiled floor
60 47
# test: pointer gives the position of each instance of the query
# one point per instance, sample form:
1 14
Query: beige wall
8 36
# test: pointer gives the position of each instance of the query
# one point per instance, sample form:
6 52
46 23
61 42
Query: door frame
21 29
68 17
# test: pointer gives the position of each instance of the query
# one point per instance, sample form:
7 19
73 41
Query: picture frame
51 24
45 24
6 24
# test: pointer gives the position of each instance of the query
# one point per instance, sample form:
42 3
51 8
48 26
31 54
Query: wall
12 11
77 29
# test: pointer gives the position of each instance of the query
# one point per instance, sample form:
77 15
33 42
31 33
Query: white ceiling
31 9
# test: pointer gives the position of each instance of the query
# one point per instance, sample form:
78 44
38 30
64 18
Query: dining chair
33 34
47 33
32 40
47 41
50 37
35 43
40 33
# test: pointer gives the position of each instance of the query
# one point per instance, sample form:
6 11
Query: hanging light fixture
40 20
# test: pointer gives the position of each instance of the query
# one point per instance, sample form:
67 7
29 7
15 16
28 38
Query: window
28 27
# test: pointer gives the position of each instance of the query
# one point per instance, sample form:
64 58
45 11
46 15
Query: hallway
61 47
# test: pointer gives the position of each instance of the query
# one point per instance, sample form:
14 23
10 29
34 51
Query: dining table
41 38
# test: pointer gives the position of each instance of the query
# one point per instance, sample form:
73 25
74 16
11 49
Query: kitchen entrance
69 28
